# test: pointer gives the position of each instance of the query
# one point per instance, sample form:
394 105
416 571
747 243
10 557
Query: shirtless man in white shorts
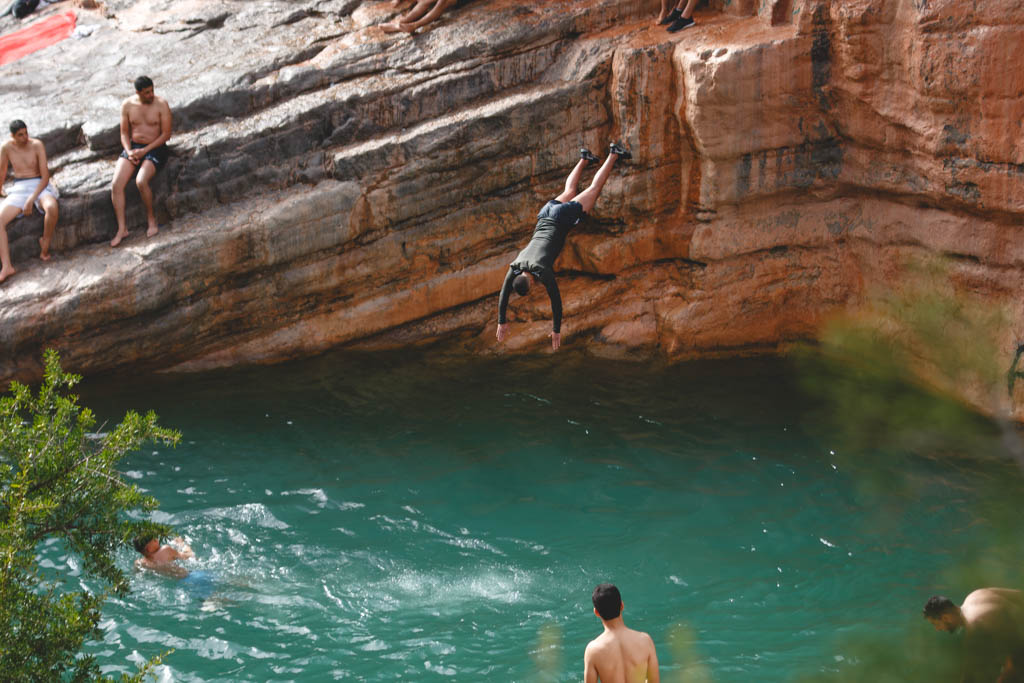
31 188
620 654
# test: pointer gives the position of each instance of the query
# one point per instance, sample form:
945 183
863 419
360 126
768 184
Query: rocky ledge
335 186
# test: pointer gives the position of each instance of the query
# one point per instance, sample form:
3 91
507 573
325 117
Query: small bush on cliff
59 482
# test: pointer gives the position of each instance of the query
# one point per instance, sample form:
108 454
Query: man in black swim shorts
145 130
554 222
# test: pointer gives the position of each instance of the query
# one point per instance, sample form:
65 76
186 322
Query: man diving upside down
554 222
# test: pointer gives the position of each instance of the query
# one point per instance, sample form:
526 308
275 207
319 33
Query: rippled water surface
394 518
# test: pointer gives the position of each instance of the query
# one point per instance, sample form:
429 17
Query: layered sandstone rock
336 186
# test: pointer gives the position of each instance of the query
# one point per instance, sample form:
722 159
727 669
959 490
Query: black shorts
158 155
563 213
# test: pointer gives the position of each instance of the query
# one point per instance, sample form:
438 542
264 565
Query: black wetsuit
554 222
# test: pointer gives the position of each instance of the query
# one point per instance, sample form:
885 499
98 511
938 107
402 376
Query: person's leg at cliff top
422 14
680 17
7 214
421 8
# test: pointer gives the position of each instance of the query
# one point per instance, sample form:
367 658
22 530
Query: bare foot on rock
44 249
392 27
6 273
118 237
153 229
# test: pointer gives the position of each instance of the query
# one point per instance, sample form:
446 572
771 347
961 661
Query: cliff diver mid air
555 220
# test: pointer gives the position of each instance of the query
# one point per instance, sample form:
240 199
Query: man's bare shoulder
984 596
161 102
641 638
598 644
130 101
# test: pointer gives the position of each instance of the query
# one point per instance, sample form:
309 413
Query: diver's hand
502 331
556 340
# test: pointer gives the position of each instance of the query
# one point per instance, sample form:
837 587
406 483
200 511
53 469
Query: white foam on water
248 513
317 495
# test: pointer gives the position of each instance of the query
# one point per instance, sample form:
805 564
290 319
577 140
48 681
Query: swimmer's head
521 284
607 601
943 613
16 125
142 540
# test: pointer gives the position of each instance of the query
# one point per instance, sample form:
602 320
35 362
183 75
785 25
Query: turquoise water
387 518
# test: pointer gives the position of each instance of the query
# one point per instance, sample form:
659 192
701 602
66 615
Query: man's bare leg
146 172
51 213
572 182
122 174
664 11
439 7
688 10
6 216
589 196
421 8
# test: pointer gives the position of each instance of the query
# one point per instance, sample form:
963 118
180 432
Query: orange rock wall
789 154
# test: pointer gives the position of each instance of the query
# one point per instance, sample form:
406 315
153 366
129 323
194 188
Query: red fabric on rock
37 36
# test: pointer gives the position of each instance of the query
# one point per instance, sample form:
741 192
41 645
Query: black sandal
619 151
587 156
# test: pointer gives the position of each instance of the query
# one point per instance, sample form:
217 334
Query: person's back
620 654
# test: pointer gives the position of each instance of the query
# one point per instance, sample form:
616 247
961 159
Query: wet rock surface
332 185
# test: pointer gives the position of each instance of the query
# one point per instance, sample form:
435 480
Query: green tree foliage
916 376
59 480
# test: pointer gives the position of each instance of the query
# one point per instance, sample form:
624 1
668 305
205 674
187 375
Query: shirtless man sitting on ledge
145 129
31 188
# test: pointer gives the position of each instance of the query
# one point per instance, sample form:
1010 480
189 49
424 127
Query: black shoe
587 156
681 23
671 16
619 151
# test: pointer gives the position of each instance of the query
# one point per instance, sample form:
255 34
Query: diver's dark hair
938 605
16 125
141 541
143 82
521 284
607 601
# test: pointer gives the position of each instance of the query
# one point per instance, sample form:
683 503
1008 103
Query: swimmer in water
161 558
555 220
620 654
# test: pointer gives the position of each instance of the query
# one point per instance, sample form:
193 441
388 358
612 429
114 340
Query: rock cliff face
332 185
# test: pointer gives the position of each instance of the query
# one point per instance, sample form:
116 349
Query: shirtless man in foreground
145 128
31 187
160 558
992 620
620 654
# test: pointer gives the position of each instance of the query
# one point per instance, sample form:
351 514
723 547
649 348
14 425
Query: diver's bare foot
153 229
44 249
408 28
118 237
6 273
391 27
